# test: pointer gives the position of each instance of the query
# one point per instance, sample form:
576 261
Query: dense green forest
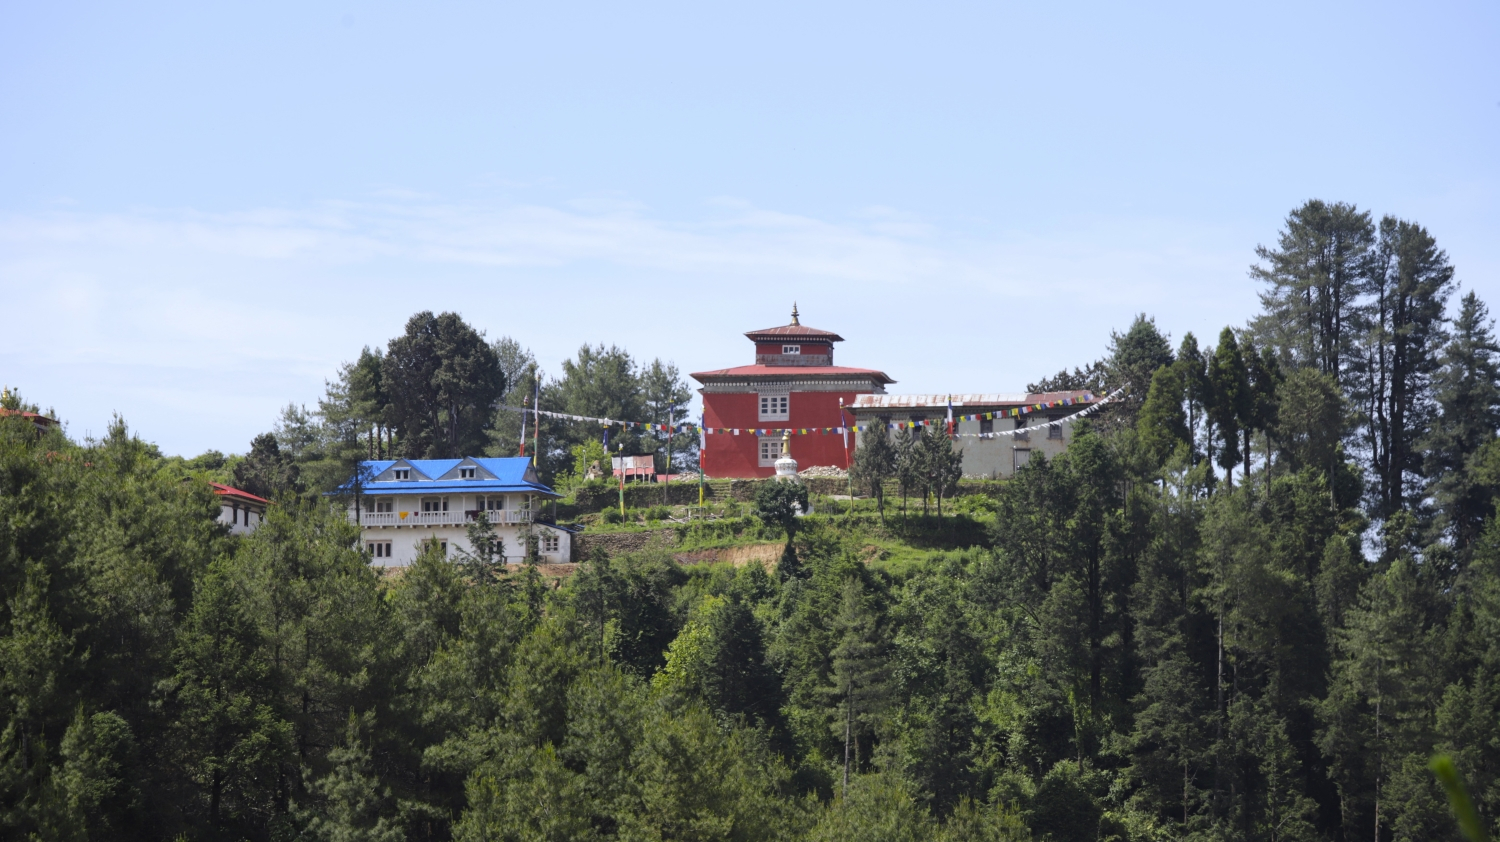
1250 602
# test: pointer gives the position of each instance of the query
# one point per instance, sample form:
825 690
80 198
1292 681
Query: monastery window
770 451
402 473
774 407
986 426
1054 431
380 549
1022 456
465 473
791 349
1022 434
550 543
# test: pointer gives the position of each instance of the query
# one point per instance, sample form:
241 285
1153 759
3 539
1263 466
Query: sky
206 207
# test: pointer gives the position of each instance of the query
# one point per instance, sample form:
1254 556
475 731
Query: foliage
441 378
874 463
267 471
779 504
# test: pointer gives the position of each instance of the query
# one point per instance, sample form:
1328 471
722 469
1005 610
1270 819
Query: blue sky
204 208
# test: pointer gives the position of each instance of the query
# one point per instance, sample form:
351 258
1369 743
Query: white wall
991 457
406 542
242 523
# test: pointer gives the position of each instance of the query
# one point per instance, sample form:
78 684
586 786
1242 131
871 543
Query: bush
611 516
657 513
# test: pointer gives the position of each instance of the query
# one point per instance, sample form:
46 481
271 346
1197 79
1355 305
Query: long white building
992 447
403 503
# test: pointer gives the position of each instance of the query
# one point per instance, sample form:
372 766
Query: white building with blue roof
403 503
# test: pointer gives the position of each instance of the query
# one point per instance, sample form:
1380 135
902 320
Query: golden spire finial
794 315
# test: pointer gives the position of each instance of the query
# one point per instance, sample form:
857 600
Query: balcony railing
498 518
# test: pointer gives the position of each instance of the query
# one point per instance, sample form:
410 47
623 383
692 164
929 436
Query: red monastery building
793 384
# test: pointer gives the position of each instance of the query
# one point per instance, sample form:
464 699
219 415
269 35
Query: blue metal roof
509 472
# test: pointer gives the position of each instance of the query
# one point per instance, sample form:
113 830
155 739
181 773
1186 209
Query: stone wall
645 495
616 543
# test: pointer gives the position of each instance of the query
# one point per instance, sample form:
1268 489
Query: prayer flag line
1013 412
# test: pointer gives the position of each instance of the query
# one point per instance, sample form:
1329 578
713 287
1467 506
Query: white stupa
786 466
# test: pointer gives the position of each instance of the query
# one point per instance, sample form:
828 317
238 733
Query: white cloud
199 326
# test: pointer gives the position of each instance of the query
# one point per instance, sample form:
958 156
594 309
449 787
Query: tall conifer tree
1408 280
1467 391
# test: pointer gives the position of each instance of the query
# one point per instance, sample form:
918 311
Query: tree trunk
1246 473
848 723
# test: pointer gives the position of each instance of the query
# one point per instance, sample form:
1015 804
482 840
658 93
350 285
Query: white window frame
379 549
550 543
401 473
467 473
440 504
769 449
1055 432
773 406
490 503
791 350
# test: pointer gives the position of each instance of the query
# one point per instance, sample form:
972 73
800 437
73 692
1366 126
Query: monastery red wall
808 348
739 456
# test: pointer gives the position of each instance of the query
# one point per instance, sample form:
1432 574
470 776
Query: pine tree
874 463
860 670
1314 275
442 379
1230 386
941 466
1162 427
780 504
232 737
1467 391
1409 280
908 464
1264 378
267 471
1134 357
352 804
1192 370
1375 714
